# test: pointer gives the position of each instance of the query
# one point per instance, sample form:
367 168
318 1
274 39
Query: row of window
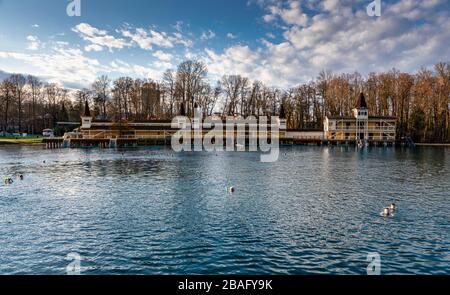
363 113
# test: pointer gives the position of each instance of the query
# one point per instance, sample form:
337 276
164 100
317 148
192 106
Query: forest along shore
419 101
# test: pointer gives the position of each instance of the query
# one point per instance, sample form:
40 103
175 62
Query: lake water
151 211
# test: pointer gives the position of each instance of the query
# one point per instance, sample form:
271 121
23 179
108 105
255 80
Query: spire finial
87 112
361 104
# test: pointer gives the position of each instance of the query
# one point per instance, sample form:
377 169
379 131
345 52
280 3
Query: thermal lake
152 211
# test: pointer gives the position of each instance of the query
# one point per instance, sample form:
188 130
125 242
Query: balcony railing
370 129
308 137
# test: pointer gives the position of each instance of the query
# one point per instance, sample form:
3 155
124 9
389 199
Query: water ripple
151 211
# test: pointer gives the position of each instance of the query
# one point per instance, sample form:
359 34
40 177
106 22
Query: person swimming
9 180
231 190
386 212
393 207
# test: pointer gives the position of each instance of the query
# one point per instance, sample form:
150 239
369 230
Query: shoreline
37 142
20 142
434 144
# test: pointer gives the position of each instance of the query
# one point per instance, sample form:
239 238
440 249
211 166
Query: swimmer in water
393 207
232 190
386 212
21 176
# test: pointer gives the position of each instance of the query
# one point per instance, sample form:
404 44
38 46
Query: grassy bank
20 140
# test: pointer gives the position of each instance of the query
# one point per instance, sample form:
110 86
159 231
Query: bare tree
169 84
7 89
101 93
35 94
190 77
18 81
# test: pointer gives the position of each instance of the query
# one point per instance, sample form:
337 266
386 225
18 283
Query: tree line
420 101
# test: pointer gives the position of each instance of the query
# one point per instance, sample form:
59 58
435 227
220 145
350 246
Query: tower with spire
86 118
361 113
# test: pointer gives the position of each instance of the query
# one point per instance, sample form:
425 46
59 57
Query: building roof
354 119
361 103
153 121
131 128
305 130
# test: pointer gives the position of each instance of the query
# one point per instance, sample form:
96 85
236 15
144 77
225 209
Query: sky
281 43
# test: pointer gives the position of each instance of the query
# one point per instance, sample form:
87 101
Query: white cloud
269 18
335 35
98 38
274 65
179 26
178 38
340 37
70 67
190 55
62 65
162 56
93 47
33 43
331 5
123 68
207 35
231 36
291 13
237 59
146 39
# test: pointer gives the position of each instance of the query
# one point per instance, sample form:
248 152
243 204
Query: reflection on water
152 211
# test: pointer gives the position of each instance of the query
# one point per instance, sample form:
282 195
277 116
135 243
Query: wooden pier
53 143
321 142
56 143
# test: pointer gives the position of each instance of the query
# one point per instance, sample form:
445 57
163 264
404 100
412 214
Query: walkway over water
53 143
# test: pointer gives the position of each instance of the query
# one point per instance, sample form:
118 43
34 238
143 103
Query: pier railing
370 129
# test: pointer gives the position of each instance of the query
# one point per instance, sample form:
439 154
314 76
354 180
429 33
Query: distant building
361 126
100 129
92 129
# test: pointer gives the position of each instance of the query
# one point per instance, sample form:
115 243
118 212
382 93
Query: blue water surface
153 211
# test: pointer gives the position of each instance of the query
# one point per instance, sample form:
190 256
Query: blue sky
281 43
